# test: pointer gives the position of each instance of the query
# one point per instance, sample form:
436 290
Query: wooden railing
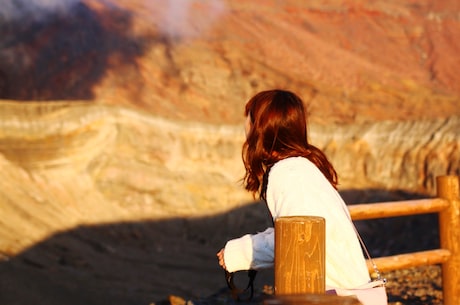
447 205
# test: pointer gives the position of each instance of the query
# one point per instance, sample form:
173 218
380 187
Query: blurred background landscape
121 126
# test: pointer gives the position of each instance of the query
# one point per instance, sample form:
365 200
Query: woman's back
297 187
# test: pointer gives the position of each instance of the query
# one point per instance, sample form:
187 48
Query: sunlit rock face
128 110
67 164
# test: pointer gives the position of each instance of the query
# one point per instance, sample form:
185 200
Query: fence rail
397 208
447 205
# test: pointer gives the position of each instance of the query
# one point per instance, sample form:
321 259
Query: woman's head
278 124
276 128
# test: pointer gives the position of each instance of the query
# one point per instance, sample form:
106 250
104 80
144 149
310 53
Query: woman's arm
251 251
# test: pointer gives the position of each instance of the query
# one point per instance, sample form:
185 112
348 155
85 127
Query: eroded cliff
69 164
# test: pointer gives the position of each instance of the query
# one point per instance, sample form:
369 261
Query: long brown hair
278 131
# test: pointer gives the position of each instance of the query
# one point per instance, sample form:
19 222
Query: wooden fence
447 205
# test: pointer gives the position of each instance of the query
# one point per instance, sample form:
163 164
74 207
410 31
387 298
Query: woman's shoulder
293 163
294 166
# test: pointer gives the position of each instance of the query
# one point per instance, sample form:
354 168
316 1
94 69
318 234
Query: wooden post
300 251
449 230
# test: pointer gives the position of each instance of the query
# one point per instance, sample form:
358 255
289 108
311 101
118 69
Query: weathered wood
449 228
300 255
312 299
397 208
404 261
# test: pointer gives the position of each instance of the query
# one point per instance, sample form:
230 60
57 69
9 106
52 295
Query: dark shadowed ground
149 262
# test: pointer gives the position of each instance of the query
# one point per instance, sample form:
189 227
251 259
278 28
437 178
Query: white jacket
296 187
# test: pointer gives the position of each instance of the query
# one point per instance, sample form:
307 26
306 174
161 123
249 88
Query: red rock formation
351 61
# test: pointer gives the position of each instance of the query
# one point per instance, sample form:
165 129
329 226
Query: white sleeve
254 251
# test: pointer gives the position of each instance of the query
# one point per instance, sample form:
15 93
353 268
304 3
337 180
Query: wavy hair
278 130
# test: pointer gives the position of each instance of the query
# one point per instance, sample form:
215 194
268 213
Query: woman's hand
220 256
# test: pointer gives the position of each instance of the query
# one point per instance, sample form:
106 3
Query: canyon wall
66 164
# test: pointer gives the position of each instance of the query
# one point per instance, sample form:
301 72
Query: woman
294 178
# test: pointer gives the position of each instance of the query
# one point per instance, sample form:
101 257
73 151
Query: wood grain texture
449 229
299 255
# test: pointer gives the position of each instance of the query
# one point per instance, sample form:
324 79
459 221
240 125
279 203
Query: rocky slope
358 61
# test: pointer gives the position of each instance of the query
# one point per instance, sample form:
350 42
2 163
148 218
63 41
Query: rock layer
67 164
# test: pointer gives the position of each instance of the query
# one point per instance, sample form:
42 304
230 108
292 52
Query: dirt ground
173 261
